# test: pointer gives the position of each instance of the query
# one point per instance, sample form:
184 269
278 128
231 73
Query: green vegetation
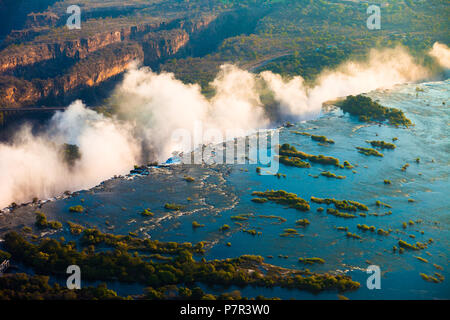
421 259
225 227
378 203
42 223
291 151
386 181
280 219
382 144
160 257
313 260
147 213
383 232
294 162
289 233
189 179
71 153
369 152
74 228
195 225
20 286
260 200
347 165
339 214
438 266
352 235
27 229
283 197
173 206
368 110
251 232
322 139
346 205
405 166
4 255
366 228
437 279
239 218
302 133
52 257
417 246
380 214
302 222
329 174
77 208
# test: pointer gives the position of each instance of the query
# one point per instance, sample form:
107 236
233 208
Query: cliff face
91 72
19 56
158 46
95 59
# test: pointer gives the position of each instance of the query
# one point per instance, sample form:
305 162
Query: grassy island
313 260
78 208
294 162
346 205
189 179
369 152
329 174
382 144
196 225
173 206
302 222
322 139
283 197
259 200
364 227
225 227
51 257
352 235
417 246
289 233
290 151
339 214
147 213
42 223
368 110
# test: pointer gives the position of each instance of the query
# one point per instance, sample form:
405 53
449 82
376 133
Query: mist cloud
33 166
383 69
442 54
150 107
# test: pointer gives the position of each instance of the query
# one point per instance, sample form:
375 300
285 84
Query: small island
368 110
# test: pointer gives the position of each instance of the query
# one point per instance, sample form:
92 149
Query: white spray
152 106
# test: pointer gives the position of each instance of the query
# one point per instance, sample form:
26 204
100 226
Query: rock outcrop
85 61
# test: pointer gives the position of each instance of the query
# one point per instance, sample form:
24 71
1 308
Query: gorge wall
53 67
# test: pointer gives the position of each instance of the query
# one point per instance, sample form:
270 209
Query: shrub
173 206
147 213
77 208
195 224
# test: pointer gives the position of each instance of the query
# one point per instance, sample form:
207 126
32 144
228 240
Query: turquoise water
222 192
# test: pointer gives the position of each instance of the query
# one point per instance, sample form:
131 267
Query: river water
220 192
